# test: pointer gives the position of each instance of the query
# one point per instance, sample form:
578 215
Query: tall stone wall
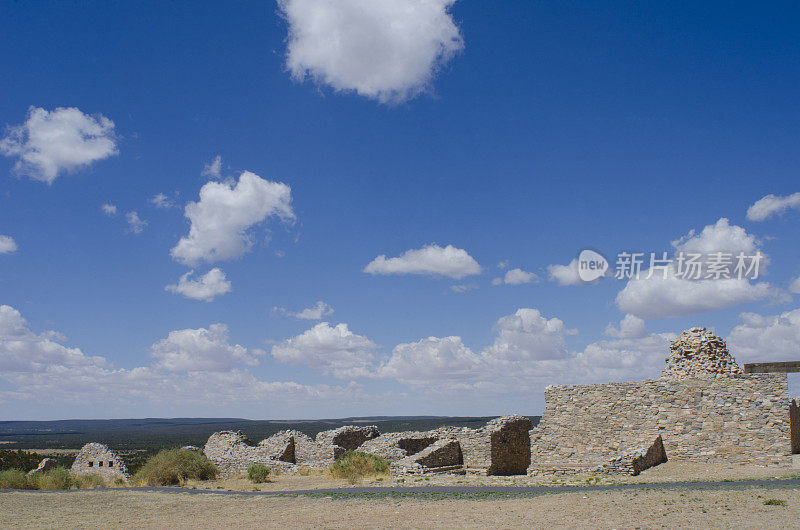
734 418
98 459
794 427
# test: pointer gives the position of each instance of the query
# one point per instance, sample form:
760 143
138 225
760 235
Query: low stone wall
737 418
98 459
351 437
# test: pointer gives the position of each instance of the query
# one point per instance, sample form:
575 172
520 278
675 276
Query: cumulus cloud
333 349
135 224
206 350
22 350
206 287
7 245
668 294
109 209
431 260
630 327
52 142
432 359
221 220
213 170
766 338
388 50
565 274
794 287
463 287
159 200
527 335
317 312
516 277
771 205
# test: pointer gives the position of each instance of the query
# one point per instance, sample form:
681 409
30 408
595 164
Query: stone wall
349 436
794 424
737 418
98 459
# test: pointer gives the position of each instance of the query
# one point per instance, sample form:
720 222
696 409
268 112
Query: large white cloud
766 338
205 350
565 274
431 260
431 360
630 327
666 294
52 142
206 287
770 205
528 335
22 350
7 245
222 218
332 349
387 50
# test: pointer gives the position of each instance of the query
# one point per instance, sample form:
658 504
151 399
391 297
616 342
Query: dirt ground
666 472
650 508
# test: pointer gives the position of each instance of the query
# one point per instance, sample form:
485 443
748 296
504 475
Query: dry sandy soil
740 508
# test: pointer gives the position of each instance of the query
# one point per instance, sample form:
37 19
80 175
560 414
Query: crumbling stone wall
737 418
397 445
698 352
98 459
638 459
442 455
794 425
351 437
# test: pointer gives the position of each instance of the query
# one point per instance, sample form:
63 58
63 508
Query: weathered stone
191 448
397 445
98 459
443 453
232 452
697 352
351 437
794 425
45 465
634 461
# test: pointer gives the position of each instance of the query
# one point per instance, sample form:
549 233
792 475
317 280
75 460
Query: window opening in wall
91 463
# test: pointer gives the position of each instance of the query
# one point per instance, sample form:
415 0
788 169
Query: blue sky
471 134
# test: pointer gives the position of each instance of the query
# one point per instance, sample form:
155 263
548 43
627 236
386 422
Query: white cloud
527 335
463 287
719 237
222 218
677 296
432 359
159 200
22 350
794 287
52 142
766 338
431 260
388 50
135 224
7 245
109 209
565 274
206 287
770 205
669 297
630 327
317 312
205 350
334 350
516 277
214 169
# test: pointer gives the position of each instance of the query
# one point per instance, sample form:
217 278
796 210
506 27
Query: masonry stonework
98 459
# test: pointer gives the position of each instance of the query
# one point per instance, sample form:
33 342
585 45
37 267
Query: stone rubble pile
698 352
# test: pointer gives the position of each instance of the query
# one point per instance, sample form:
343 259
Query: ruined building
98 459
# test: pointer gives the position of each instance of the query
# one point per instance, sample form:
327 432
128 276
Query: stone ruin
98 459
45 465
696 353
502 447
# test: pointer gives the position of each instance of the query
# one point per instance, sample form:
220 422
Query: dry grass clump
87 482
14 479
258 473
353 465
55 479
171 467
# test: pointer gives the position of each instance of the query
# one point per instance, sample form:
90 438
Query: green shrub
258 473
87 482
55 479
14 479
353 465
774 502
19 460
175 466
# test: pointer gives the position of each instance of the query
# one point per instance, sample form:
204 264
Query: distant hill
151 434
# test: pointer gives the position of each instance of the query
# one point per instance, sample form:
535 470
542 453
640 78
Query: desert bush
774 502
14 479
55 479
86 482
258 473
353 465
19 459
175 466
